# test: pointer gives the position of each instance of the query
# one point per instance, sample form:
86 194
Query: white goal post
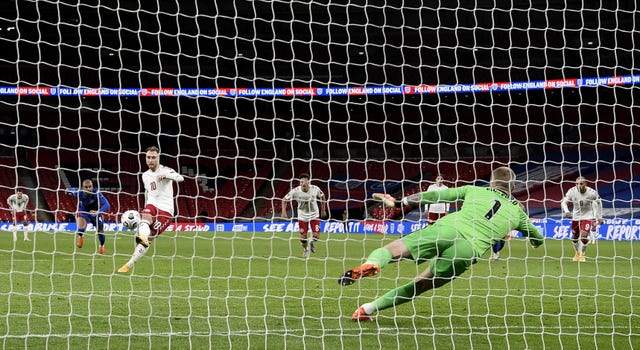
242 97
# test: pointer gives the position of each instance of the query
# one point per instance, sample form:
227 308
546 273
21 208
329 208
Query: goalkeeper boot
576 257
305 253
142 240
354 274
101 249
385 198
360 315
582 258
80 242
124 268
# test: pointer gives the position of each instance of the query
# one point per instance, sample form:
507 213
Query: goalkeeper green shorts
450 254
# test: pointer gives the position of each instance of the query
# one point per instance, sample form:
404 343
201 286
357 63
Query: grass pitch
255 290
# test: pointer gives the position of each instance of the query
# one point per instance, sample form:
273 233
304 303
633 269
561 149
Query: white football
130 219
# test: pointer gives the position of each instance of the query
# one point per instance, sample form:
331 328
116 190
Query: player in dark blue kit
91 205
496 248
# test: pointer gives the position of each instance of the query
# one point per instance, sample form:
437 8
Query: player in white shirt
307 196
18 204
587 212
436 210
158 210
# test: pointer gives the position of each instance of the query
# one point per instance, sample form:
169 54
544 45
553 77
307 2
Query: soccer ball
130 219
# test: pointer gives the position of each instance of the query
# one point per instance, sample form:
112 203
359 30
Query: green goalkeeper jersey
487 215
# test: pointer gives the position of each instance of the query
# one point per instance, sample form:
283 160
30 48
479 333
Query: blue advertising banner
612 229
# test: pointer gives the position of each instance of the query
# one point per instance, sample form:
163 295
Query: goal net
242 98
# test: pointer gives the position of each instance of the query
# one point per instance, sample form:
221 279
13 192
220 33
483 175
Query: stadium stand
227 186
547 180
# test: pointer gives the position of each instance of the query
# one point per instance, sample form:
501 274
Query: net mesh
242 97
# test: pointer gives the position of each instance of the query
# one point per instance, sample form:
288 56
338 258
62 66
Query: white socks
140 250
144 231
577 246
368 308
138 253
15 234
580 247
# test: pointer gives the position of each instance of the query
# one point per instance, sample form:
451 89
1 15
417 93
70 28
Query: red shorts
161 219
304 226
433 217
582 225
21 216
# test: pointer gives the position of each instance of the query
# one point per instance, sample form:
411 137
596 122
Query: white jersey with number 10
160 193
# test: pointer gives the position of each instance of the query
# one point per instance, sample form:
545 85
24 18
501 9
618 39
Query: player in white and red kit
158 210
587 212
436 210
307 196
18 204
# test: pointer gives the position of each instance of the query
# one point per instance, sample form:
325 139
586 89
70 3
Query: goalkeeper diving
452 244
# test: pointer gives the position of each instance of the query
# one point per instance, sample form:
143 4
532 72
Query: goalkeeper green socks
380 257
395 297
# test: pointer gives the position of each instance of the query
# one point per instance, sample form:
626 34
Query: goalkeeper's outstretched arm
529 230
417 199
413 200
